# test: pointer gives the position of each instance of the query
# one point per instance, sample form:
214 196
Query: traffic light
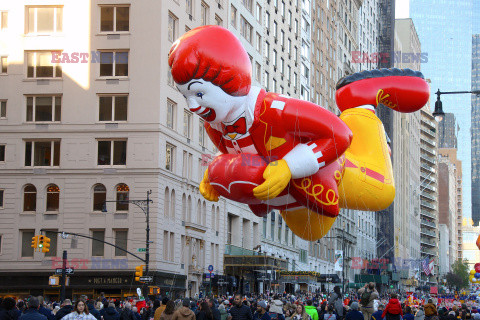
34 242
46 244
41 240
138 272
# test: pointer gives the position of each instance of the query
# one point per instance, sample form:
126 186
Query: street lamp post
143 204
438 113
342 237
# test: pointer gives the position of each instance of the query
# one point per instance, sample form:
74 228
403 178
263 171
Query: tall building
451 154
368 55
475 130
406 158
447 64
429 224
447 203
447 131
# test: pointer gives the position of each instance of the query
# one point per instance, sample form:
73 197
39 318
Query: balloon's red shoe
402 90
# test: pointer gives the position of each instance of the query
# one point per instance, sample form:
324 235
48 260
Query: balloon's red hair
214 54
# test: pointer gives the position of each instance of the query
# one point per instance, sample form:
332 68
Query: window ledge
42 79
51 212
28 213
113 78
112 33
53 34
120 212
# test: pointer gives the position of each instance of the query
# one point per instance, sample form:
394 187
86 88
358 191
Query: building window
122 191
259 43
258 72
187 124
112 152
113 108
98 247
3 22
229 228
204 14
114 18
121 241
113 63
171 110
42 153
274 62
3 65
248 4
44 19
53 198
2 192
275 29
233 16
2 153
218 21
53 236
258 13
29 198
44 109
99 197
40 65
266 80
172 26
246 29
189 7
201 133
267 20
27 250
274 85
170 157
3 109
272 226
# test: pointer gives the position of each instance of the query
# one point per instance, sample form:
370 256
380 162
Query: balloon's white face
208 100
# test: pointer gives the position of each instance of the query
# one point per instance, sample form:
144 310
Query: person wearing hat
184 313
354 314
261 313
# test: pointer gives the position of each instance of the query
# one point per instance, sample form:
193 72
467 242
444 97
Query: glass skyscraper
475 130
445 29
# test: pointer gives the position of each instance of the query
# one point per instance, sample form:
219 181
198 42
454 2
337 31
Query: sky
402 9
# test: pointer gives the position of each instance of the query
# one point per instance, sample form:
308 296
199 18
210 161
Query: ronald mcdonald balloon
282 153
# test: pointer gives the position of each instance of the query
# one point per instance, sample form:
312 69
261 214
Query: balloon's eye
200 94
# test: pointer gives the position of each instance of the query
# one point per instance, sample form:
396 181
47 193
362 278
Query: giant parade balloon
280 152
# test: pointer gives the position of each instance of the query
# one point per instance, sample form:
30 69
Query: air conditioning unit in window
182 266
190 17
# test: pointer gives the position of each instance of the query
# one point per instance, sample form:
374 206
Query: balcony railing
428 223
428 158
428 241
426 204
429 233
426 195
232 250
427 214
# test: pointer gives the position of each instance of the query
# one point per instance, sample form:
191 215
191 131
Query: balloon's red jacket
310 138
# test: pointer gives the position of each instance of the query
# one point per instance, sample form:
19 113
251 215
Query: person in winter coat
8 310
160 309
222 311
330 315
111 313
276 309
32 312
136 314
311 310
239 311
368 294
80 312
408 314
393 310
167 314
204 312
43 310
430 310
261 313
300 313
92 310
354 314
213 308
377 315
420 315
127 313
66 309
336 301
184 313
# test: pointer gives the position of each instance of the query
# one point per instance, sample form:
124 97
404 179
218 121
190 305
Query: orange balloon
478 242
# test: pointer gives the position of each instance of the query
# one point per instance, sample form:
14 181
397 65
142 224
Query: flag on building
426 266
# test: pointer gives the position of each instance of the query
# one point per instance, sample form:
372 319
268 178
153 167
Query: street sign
142 249
207 275
67 271
146 279
210 268
212 275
